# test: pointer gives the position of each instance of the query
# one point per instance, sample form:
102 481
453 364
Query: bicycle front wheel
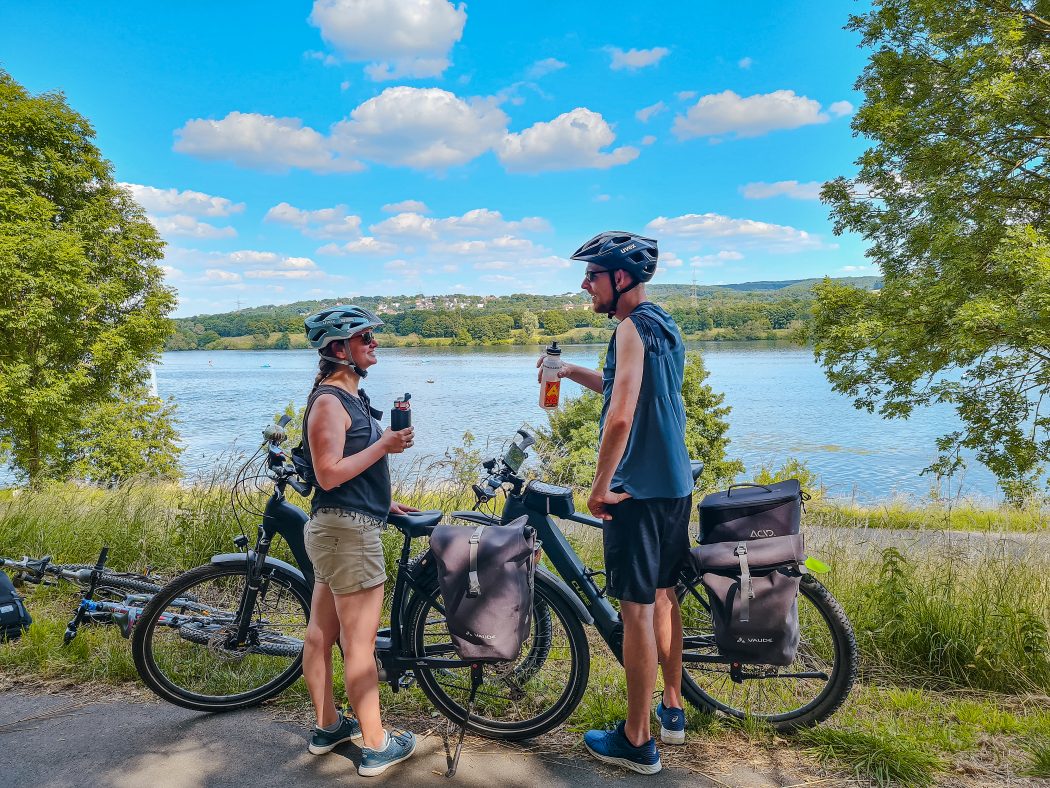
126 582
802 694
186 645
521 698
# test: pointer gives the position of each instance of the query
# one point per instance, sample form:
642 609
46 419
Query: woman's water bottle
550 383
401 413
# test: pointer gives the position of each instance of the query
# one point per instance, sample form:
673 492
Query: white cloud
171 273
855 269
185 202
809 190
450 268
840 108
496 278
279 273
328 60
364 245
345 84
648 139
602 198
216 275
715 260
745 63
477 223
670 260
399 38
189 227
686 95
415 206
571 141
422 128
503 245
753 116
635 58
264 142
713 226
647 112
332 222
543 67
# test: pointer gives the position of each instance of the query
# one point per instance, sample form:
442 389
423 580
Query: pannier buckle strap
474 583
747 589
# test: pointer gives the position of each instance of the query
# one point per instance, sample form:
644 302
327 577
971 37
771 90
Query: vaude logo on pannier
481 637
754 640
762 534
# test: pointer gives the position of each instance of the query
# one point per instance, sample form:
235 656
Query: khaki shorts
346 550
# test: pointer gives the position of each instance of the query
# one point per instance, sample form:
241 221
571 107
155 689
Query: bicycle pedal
407 681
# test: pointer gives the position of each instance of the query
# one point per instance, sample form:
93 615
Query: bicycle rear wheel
802 694
185 647
518 699
127 582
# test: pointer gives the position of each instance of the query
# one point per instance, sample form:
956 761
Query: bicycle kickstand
476 679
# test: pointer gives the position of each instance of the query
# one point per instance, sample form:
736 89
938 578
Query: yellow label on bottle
550 393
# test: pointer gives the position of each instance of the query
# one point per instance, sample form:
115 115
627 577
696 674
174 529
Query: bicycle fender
559 587
239 559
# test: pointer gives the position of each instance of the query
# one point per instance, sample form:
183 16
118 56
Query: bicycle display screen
514 457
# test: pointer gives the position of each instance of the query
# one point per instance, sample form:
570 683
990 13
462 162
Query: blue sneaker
613 747
672 724
399 746
324 741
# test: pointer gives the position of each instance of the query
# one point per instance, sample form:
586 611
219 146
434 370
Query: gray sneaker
324 741
399 746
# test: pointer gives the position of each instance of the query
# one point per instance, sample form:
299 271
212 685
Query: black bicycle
266 601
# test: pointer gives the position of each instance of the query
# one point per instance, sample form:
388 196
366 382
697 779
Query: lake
782 407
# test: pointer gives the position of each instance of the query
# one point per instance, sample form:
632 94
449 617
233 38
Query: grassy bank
954 643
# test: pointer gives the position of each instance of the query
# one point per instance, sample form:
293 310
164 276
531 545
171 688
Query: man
642 488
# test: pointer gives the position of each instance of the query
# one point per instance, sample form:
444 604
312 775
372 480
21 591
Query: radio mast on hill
694 288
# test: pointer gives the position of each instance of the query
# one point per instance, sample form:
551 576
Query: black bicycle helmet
338 324
617 249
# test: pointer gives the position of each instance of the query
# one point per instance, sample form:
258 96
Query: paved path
59 740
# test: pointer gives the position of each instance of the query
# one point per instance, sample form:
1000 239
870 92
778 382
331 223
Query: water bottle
401 413
550 383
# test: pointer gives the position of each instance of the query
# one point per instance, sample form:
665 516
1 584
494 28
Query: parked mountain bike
107 597
266 600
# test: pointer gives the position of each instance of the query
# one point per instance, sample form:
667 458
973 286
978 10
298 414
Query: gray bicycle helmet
617 249
338 324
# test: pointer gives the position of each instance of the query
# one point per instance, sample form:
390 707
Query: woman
348 451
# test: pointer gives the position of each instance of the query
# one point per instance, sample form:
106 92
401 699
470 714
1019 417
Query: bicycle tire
202 682
426 633
826 633
124 581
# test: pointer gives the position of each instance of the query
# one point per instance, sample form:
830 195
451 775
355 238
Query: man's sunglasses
368 337
590 276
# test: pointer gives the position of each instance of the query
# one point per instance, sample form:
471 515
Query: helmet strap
617 293
361 373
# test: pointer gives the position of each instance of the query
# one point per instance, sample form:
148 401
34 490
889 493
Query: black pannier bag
750 561
14 618
753 590
486 576
751 511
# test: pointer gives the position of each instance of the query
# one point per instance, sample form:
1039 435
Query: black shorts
646 542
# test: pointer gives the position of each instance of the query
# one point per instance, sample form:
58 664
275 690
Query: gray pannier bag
486 576
751 560
753 590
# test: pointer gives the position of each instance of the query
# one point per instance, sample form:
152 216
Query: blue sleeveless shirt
655 463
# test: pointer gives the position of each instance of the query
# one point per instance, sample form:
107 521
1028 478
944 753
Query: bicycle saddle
416 524
696 467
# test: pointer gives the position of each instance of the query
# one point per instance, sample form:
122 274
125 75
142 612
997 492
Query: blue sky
367 147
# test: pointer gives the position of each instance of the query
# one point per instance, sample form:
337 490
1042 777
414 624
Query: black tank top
369 491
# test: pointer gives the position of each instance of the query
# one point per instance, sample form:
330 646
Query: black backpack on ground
486 575
750 560
14 618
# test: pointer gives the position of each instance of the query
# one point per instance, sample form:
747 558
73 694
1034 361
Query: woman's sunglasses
368 337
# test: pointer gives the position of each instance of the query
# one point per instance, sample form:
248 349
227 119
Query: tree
555 322
569 445
530 324
83 306
953 198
